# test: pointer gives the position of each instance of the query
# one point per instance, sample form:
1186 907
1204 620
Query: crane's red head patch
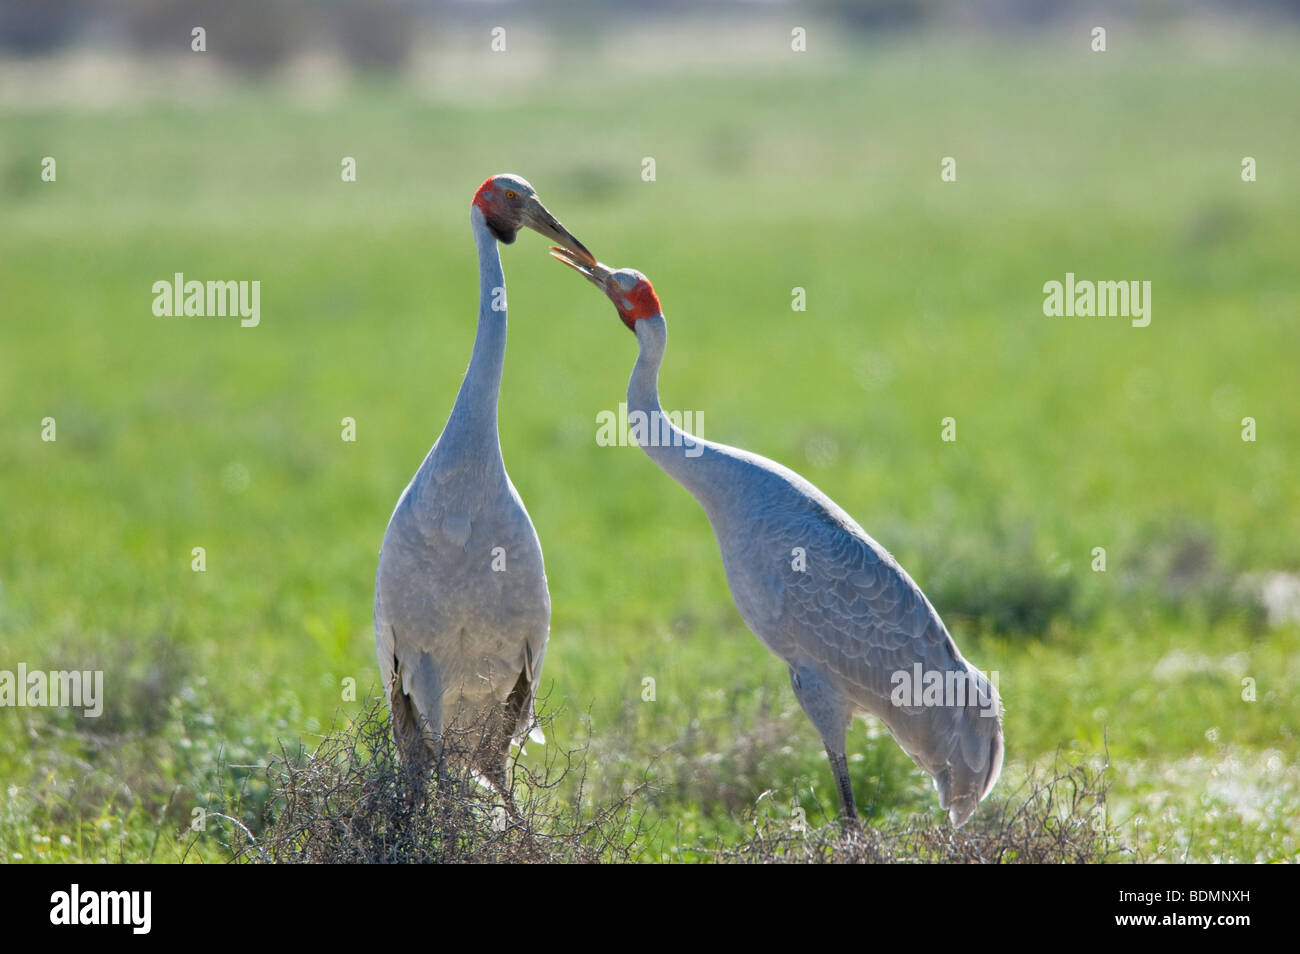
633 296
640 302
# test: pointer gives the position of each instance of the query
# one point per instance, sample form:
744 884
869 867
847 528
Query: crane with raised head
855 631
462 610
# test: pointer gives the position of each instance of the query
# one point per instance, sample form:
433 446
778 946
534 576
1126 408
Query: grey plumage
821 594
462 610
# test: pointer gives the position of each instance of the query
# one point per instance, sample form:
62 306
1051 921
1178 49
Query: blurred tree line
249 35
259 35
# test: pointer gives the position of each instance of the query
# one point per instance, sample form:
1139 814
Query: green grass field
924 301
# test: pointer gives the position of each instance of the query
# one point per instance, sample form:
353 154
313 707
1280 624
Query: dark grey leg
830 713
843 785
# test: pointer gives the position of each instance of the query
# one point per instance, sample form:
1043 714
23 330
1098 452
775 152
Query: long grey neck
476 403
696 464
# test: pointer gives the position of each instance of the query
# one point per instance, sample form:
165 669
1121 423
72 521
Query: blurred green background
774 169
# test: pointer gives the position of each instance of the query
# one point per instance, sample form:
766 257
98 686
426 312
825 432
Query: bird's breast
455 528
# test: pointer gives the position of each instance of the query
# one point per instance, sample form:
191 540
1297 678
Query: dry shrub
1060 819
352 800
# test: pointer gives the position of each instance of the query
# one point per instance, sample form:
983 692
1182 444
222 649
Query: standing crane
462 612
816 590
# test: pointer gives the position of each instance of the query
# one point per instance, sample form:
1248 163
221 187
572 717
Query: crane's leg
844 785
493 751
496 778
830 713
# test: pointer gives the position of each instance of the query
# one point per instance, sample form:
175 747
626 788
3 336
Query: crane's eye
510 194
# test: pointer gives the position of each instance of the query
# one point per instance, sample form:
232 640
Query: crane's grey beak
593 271
537 218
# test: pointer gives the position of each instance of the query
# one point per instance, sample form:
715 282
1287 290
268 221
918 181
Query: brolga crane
856 633
462 611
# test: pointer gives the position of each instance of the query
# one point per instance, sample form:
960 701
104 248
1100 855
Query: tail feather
414 742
